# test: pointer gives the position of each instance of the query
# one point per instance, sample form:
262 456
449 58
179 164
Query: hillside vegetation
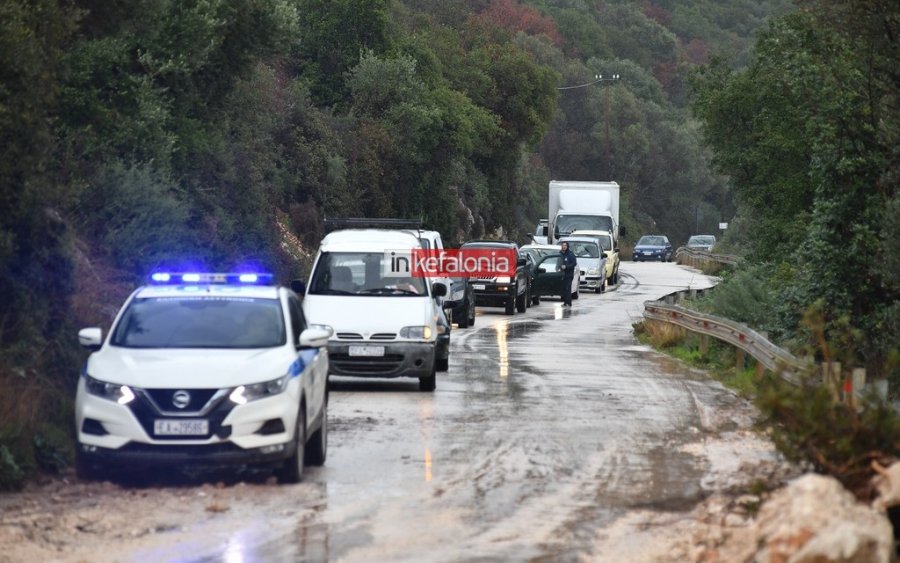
138 134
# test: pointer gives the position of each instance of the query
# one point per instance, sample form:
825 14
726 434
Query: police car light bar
168 278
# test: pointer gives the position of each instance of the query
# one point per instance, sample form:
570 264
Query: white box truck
586 206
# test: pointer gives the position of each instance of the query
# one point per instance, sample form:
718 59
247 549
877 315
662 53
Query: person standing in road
569 266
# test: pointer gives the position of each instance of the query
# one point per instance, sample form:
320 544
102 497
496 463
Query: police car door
313 363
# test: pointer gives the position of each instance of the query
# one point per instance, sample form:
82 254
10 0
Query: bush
808 425
743 296
11 475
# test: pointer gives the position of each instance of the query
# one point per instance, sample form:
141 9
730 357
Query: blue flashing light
192 278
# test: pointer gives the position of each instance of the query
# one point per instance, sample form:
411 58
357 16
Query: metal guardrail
773 358
693 257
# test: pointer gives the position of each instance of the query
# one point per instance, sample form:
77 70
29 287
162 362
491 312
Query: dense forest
142 133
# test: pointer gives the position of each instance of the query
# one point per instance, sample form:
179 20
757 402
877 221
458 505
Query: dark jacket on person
570 262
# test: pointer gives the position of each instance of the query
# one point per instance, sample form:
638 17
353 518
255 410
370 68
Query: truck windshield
201 322
567 224
361 273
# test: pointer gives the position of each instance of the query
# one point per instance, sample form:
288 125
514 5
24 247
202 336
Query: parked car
653 247
548 277
533 253
591 261
540 232
611 250
501 291
701 242
208 369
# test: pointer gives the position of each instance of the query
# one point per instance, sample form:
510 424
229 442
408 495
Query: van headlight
593 271
242 394
416 332
121 394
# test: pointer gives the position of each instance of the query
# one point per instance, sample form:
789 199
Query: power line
598 78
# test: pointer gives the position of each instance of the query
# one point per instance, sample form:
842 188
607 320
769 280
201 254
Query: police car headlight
416 332
245 393
121 394
593 271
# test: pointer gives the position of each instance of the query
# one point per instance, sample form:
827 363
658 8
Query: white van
385 324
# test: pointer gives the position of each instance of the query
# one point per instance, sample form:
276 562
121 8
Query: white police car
208 369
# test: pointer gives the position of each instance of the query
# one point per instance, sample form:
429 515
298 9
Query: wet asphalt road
548 426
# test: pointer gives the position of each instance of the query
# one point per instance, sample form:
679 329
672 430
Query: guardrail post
740 356
760 369
704 345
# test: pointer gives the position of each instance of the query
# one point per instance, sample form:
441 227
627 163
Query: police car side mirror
91 338
299 287
315 336
438 289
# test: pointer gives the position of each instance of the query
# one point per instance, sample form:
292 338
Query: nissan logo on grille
181 399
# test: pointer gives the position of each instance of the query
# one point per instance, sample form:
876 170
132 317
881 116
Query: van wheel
442 364
536 300
292 470
317 447
428 383
522 302
575 295
511 306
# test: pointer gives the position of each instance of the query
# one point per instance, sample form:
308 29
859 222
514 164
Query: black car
501 291
653 247
461 302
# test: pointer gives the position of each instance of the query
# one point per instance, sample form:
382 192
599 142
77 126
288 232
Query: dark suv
501 291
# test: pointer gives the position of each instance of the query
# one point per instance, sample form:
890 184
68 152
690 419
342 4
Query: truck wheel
292 470
317 447
522 302
428 383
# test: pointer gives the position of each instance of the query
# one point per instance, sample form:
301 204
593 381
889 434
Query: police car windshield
201 322
366 274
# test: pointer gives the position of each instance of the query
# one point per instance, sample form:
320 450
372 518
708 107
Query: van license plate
181 427
370 351
478 286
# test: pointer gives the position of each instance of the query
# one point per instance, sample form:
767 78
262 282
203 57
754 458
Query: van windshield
362 273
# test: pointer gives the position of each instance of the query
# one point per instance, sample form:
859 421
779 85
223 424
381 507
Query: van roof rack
364 223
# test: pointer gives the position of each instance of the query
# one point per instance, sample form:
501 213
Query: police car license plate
478 286
366 351
181 427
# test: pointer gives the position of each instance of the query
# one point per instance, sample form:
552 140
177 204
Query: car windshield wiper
332 292
387 291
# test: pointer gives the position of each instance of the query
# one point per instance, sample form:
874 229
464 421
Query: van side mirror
542 270
298 286
438 289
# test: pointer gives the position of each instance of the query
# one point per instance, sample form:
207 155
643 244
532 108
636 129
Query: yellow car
610 249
